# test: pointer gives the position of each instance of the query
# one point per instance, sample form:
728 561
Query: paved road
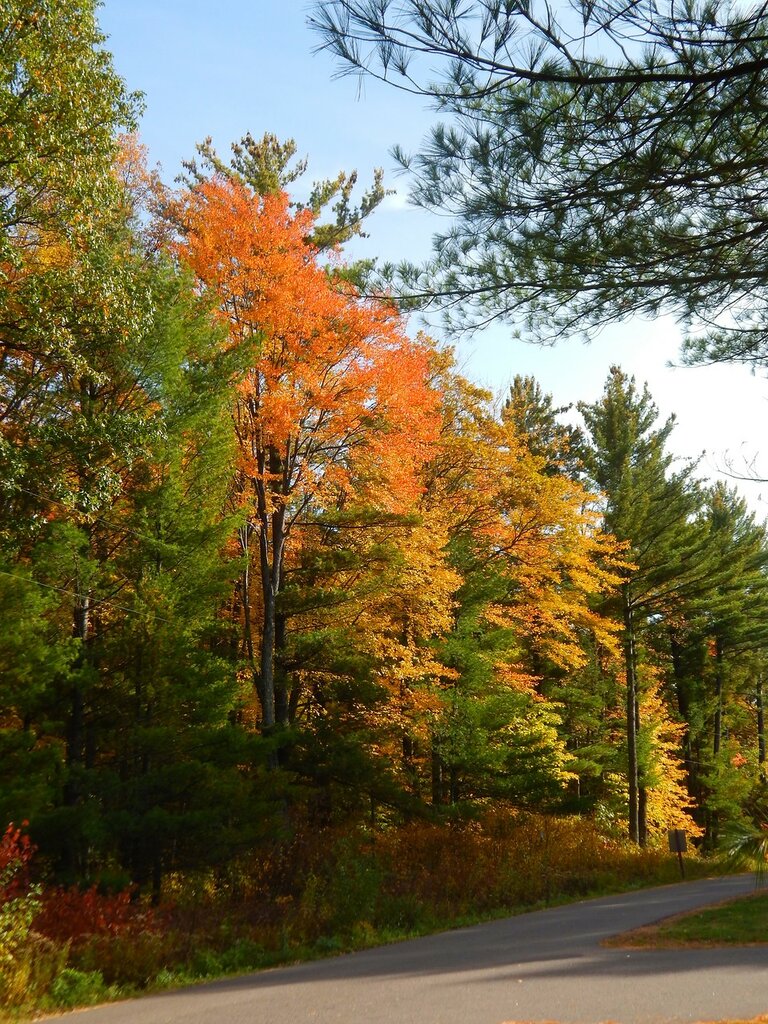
546 965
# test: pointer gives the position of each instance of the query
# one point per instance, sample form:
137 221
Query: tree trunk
73 852
244 534
282 714
437 774
272 538
407 750
642 792
682 691
454 784
718 728
760 720
630 666
293 700
76 724
81 624
267 662
271 558
642 815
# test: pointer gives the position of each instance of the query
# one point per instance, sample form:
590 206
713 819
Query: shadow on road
562 942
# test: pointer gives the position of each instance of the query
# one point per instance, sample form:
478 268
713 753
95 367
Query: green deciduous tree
61 105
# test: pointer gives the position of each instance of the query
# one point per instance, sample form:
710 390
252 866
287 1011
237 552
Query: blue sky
248 65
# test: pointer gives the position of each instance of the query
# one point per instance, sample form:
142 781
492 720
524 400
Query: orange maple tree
335 405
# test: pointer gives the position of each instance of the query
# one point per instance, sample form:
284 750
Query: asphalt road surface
547 965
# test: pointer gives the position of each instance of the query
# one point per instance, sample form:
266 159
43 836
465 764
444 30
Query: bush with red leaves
15 854
74 915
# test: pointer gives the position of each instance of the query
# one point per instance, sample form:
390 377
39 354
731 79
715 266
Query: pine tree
726 623
535 417
651 508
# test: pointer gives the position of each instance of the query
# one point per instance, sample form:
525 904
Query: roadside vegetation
317 896
307 642
739 922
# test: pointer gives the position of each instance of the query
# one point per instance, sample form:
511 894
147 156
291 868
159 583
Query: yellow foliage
669 804
540 530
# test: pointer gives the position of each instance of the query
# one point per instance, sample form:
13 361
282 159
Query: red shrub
73 915
15 854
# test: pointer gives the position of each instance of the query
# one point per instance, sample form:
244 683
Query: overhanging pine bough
599 161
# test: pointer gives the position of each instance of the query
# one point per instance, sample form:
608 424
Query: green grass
738 922
742 921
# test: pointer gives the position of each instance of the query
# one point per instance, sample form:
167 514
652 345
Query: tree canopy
303 636
599 160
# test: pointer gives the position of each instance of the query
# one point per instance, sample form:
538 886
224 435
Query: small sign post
678 844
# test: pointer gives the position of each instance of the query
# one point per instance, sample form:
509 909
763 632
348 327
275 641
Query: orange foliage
148 205
73 915
558 556
334 405
337 393
16 851
669 805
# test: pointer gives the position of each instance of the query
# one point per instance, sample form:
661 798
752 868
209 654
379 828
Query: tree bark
718 726
454 785
760 719
642 792
282 714
267 664
272 538
76 724
682 691
437 775
245 594
630 665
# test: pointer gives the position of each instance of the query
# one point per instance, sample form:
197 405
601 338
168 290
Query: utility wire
74 593
98 519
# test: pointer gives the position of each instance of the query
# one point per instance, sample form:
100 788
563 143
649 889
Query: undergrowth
321 893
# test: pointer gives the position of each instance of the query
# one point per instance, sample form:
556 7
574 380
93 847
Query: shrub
19 904
15 854
73 915
78 988
131 959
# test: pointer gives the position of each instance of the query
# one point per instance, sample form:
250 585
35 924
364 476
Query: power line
98 519
74 593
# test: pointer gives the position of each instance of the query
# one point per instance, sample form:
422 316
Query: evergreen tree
729 619
596 166
735 610
651 508
264 167
535 418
